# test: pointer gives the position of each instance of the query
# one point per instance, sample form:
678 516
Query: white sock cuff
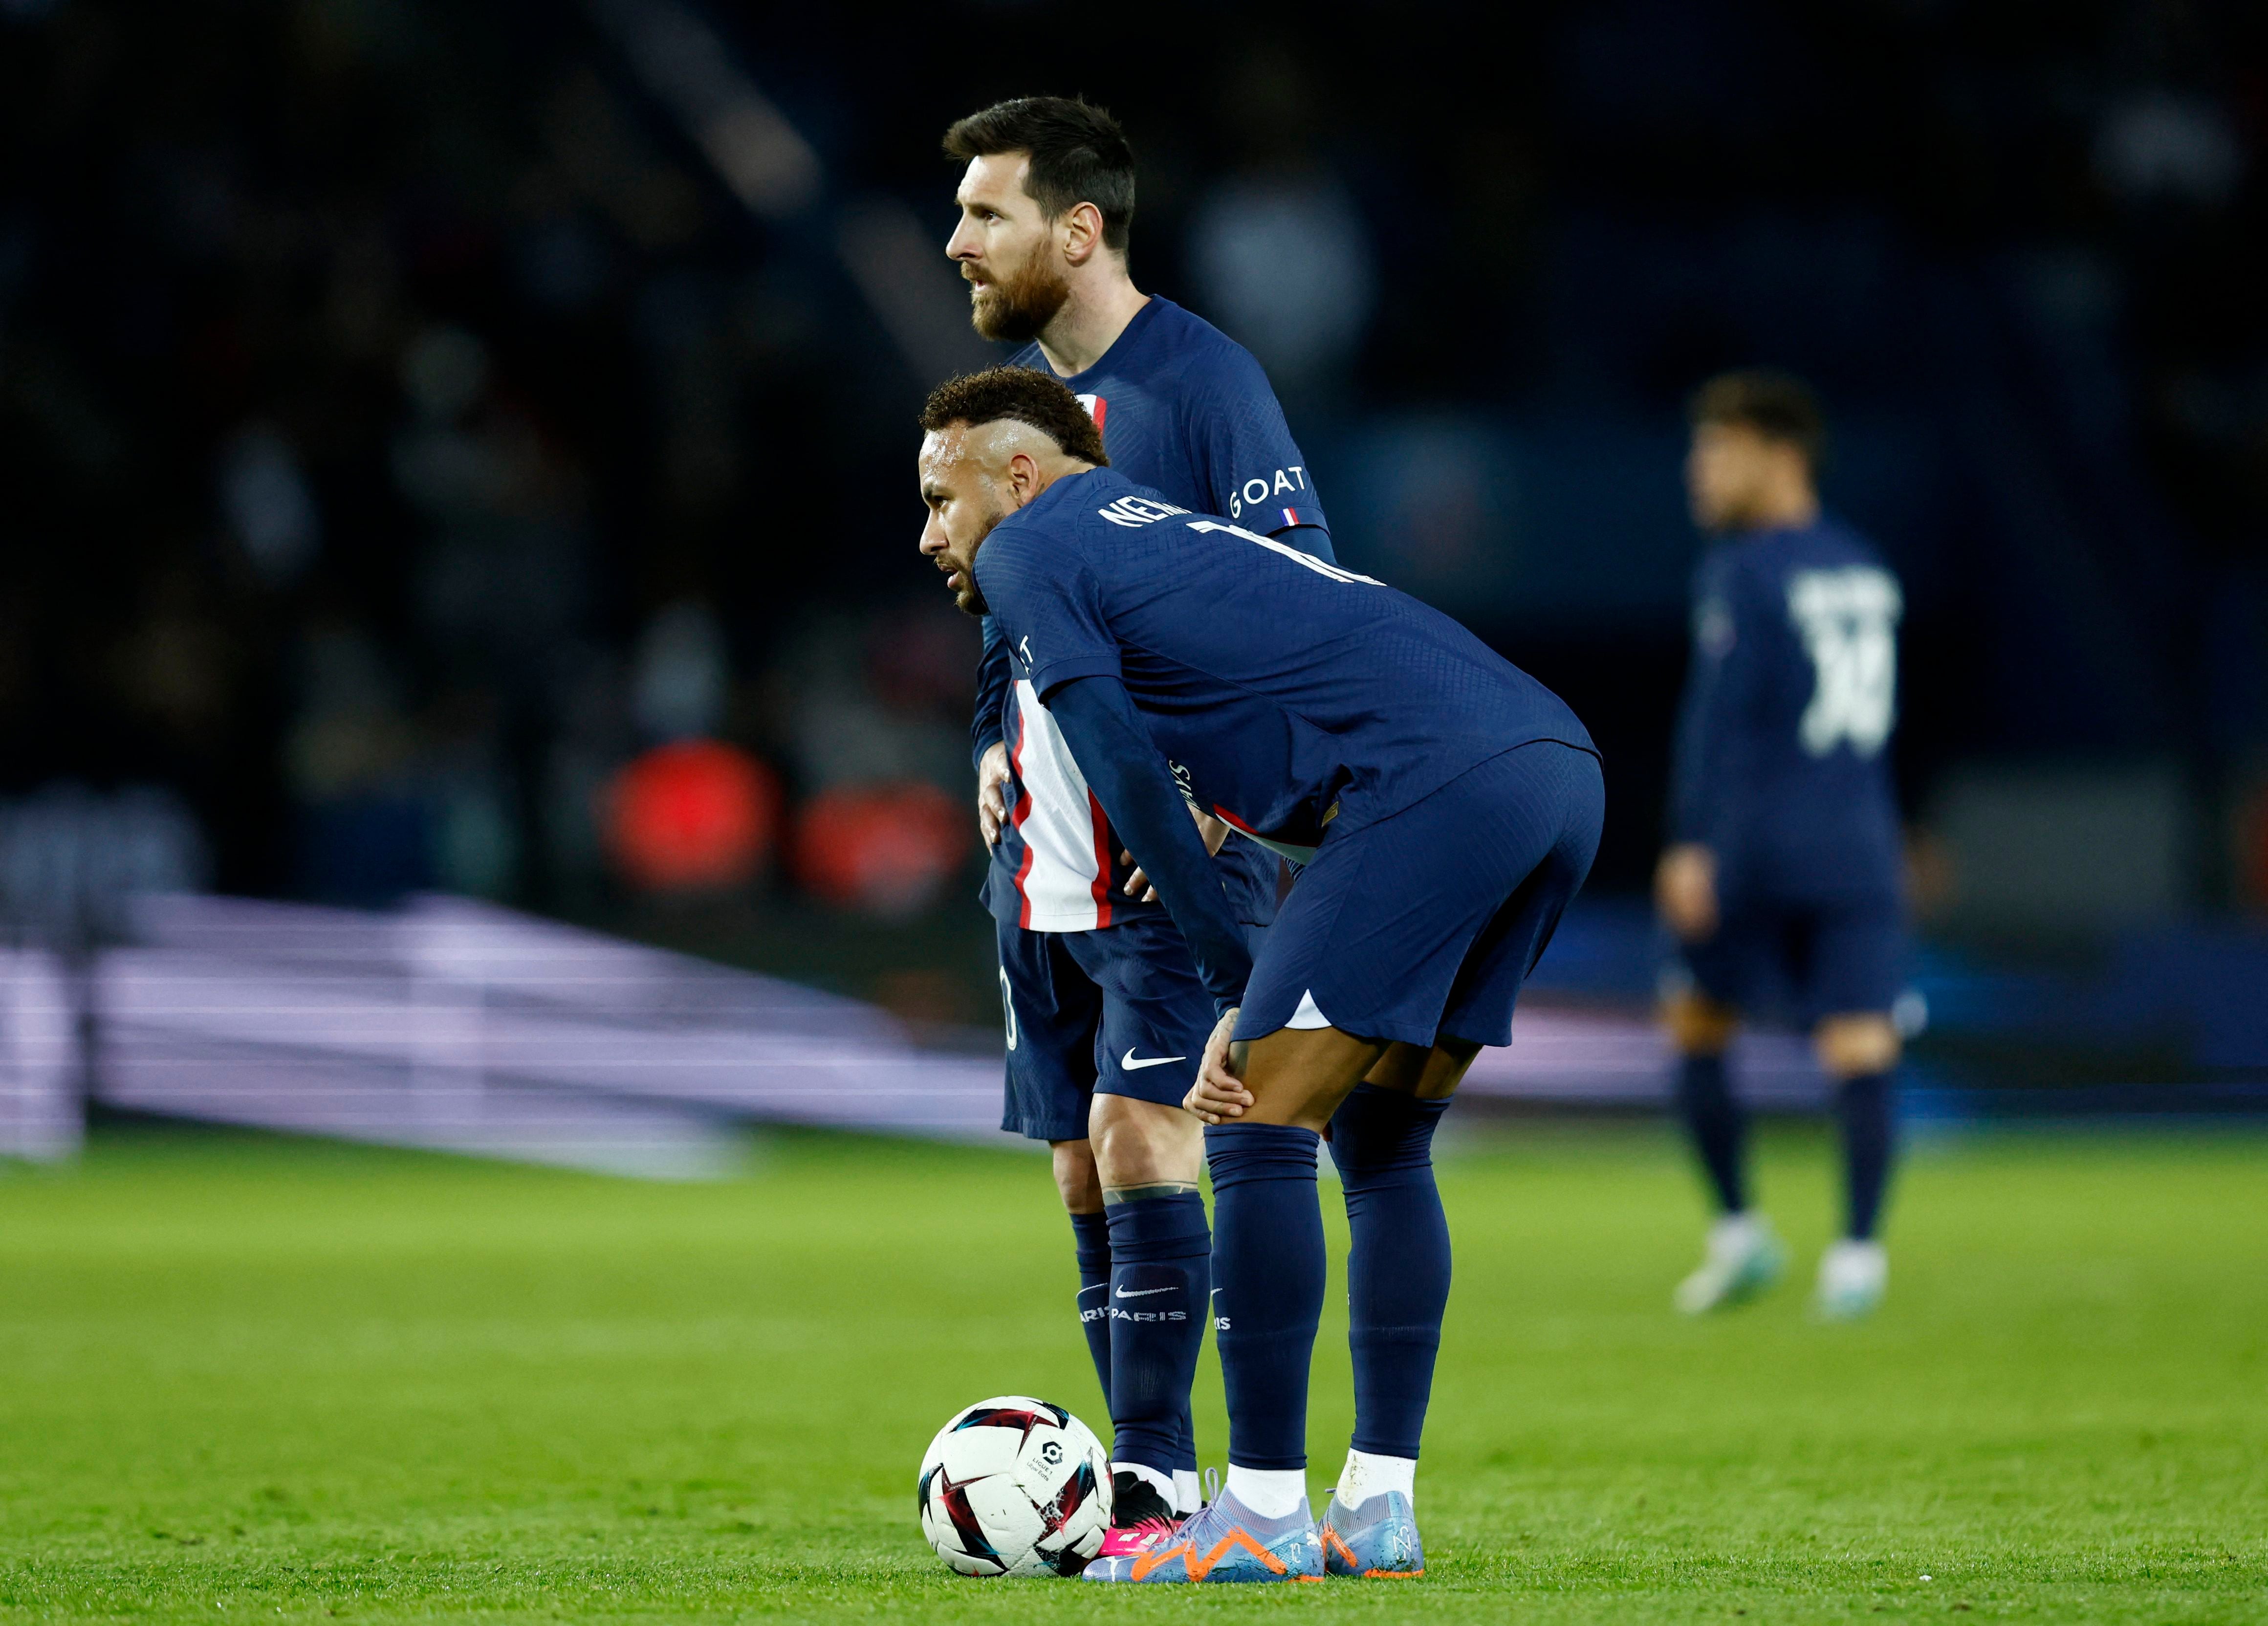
1270 1492
1366 1475
1188 1495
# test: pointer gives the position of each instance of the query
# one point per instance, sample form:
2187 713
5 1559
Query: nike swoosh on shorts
1133 1066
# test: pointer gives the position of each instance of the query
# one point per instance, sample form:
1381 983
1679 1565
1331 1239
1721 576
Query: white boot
1744 1258
1853 1275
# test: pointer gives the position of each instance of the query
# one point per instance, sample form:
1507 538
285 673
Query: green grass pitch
244 1379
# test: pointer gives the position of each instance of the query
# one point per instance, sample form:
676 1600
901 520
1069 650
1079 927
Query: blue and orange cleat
1378 1541
1222 1542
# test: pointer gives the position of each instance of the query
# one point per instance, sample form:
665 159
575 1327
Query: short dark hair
1778 406
1026 395
1079 156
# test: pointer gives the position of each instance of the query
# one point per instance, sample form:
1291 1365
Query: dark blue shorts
1120 1011
1803 959
1423 925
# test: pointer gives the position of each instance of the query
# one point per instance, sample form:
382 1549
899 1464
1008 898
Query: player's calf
1397 1290
1158 1297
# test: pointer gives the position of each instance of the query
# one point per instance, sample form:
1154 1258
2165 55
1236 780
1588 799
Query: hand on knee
1697 1025
1855 1046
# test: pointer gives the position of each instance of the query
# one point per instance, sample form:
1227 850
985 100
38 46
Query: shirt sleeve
992 676
1048 607
1129 777
1253 470
1719 686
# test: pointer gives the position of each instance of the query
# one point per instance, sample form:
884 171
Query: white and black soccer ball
1014 1486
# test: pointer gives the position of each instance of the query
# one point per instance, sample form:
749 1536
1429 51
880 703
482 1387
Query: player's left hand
992 793
1213 831
1217 1093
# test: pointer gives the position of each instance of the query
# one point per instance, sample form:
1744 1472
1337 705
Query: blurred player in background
1783 880
1106 1016
1447 807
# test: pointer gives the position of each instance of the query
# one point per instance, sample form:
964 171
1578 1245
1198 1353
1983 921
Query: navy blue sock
1161 1271
1091 1246
1864 1108
1398 1261
1719 1127
1268 1276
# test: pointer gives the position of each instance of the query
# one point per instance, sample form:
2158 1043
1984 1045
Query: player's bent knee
1853 1046
1076 1177
1139 1142
1697 1025
1430 1073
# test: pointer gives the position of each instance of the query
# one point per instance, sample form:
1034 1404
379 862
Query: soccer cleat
1744 1258
1226 1542
1378 1541
1140 1522
1853 1275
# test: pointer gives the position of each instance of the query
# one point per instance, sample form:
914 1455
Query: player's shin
1719 1127
1397 1274
1161 1254
1091 1247
1268 1278
1864 1109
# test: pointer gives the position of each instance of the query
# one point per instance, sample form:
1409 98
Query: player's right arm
1717 688
1216 837
1048 605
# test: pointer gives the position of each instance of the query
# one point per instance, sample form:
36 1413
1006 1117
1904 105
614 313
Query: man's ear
1023 477
1082 234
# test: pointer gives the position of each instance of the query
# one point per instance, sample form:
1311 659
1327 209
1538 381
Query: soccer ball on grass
1014 1486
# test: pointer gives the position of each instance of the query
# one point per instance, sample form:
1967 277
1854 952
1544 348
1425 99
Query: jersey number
1290 552
1848 620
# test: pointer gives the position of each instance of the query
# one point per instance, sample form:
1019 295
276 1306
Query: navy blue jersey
1185 409
1285 692
1781 762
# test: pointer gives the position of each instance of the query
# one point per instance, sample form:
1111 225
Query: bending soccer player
1783 873
1447 807
1106 1016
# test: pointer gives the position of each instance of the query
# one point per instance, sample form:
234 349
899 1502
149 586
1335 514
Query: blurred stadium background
462 452
465 682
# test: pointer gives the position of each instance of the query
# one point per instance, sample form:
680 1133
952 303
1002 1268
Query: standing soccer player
1446 806
1784 868
1106 1015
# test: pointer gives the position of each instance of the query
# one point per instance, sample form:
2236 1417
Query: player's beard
1014 309
968 599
